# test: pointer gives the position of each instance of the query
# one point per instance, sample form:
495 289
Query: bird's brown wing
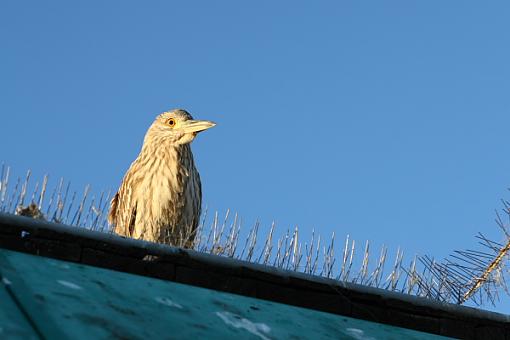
198 208
122 213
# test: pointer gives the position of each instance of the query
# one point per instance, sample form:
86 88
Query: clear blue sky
388 121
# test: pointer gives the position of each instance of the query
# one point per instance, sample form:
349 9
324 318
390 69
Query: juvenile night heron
160 197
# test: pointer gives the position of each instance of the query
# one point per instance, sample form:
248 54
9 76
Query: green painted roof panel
69 300
13 324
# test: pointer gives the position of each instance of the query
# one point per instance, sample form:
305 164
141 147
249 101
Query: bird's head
177 127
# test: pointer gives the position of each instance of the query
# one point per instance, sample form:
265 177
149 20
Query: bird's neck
168 157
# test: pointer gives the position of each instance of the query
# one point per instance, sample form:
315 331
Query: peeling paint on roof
111 304
69 284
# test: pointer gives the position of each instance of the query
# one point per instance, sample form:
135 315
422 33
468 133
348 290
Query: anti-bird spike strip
476 276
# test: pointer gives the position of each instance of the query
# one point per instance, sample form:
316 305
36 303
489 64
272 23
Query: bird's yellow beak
191 126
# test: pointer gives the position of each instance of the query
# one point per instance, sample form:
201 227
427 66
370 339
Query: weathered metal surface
249 279
13 324
69 300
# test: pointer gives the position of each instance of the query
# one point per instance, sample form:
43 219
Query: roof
65 300
129 288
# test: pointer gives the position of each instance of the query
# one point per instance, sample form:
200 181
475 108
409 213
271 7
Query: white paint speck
58 264
69 284
358 334
236 321
6 281
167 302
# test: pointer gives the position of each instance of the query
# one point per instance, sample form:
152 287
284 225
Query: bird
160 197
32 210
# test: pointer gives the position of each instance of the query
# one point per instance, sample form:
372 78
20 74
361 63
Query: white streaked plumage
160 196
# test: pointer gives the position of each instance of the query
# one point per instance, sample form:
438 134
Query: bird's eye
171 122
